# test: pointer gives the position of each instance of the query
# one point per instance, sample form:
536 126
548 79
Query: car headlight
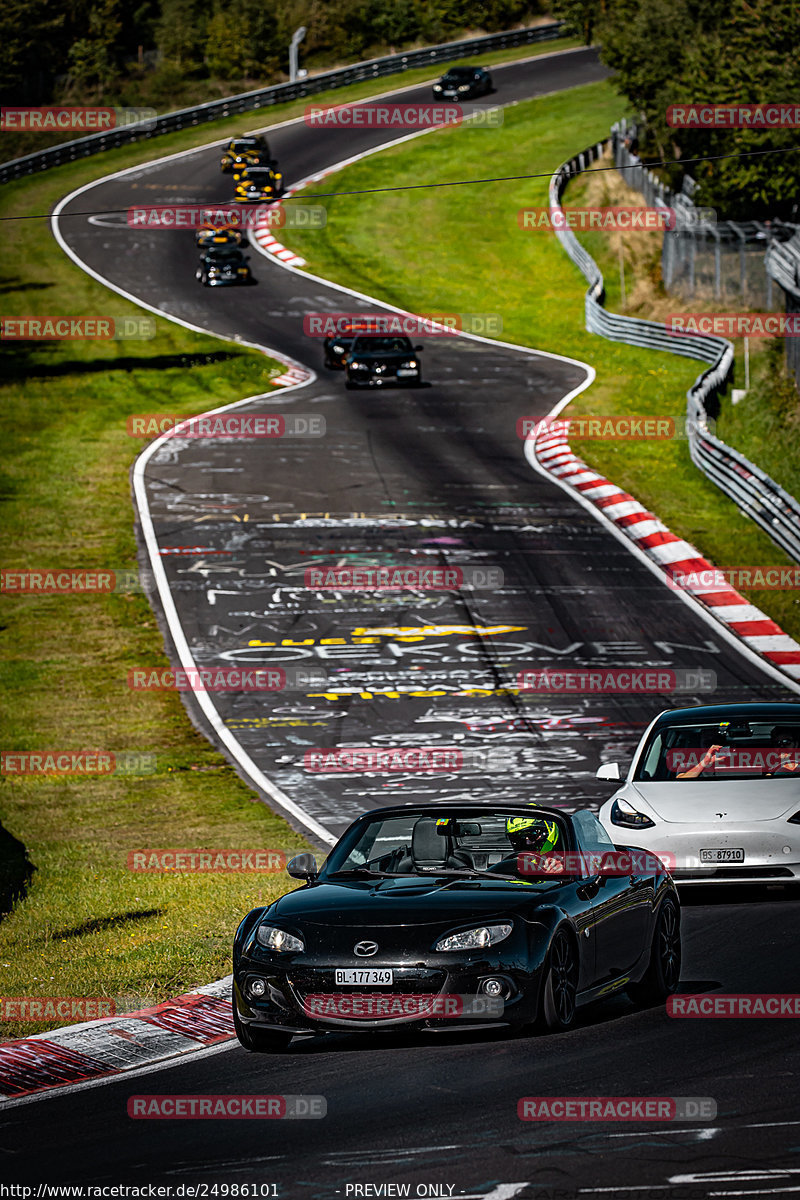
411 363
337 349
464 87
437 87
242 270
359 367
475 939
625 814
279 939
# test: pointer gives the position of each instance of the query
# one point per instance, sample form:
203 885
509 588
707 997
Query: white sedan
715 792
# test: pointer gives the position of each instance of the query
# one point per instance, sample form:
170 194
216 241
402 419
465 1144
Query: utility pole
297 38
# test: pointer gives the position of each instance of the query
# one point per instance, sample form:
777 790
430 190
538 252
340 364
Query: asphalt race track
431 476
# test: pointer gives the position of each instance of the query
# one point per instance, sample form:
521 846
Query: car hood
379 356
407 902
700 802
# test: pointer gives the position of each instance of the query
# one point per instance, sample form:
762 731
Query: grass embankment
477 258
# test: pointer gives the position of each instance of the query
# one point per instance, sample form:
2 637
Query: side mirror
302 866
608 771
418 349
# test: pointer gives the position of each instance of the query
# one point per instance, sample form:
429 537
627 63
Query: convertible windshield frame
453 843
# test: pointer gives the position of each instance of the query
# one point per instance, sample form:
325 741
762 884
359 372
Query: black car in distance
375 360
223 266
444 916
463 83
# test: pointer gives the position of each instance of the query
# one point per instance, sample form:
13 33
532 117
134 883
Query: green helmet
532 833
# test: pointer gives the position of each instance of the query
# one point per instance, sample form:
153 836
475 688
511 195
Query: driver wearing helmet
532 839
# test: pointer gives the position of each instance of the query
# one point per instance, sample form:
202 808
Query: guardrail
783 265
758 496
392 64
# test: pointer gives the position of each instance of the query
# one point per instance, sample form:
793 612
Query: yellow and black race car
251 150
258 183
228 235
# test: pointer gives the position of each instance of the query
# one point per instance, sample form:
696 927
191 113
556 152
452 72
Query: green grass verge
476 258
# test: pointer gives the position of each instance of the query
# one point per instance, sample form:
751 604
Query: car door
622 904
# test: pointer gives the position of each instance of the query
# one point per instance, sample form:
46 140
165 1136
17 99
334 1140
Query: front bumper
372 378
771 855
288 1002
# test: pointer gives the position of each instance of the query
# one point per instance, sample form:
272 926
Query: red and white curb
113 1045
292 377
267 241
673 555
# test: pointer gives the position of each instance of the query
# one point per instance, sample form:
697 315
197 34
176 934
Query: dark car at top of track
249 149
463 83
375 360
450 915
223 266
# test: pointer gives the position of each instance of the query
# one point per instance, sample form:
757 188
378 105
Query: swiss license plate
358 976
725 855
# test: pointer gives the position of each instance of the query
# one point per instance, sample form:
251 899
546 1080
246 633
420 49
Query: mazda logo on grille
364 949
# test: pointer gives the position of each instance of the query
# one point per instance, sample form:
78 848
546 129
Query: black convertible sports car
436 916
375 360
463 83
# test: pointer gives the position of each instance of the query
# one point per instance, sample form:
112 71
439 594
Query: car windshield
451 842
459 74
723 750
245 144
382 345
